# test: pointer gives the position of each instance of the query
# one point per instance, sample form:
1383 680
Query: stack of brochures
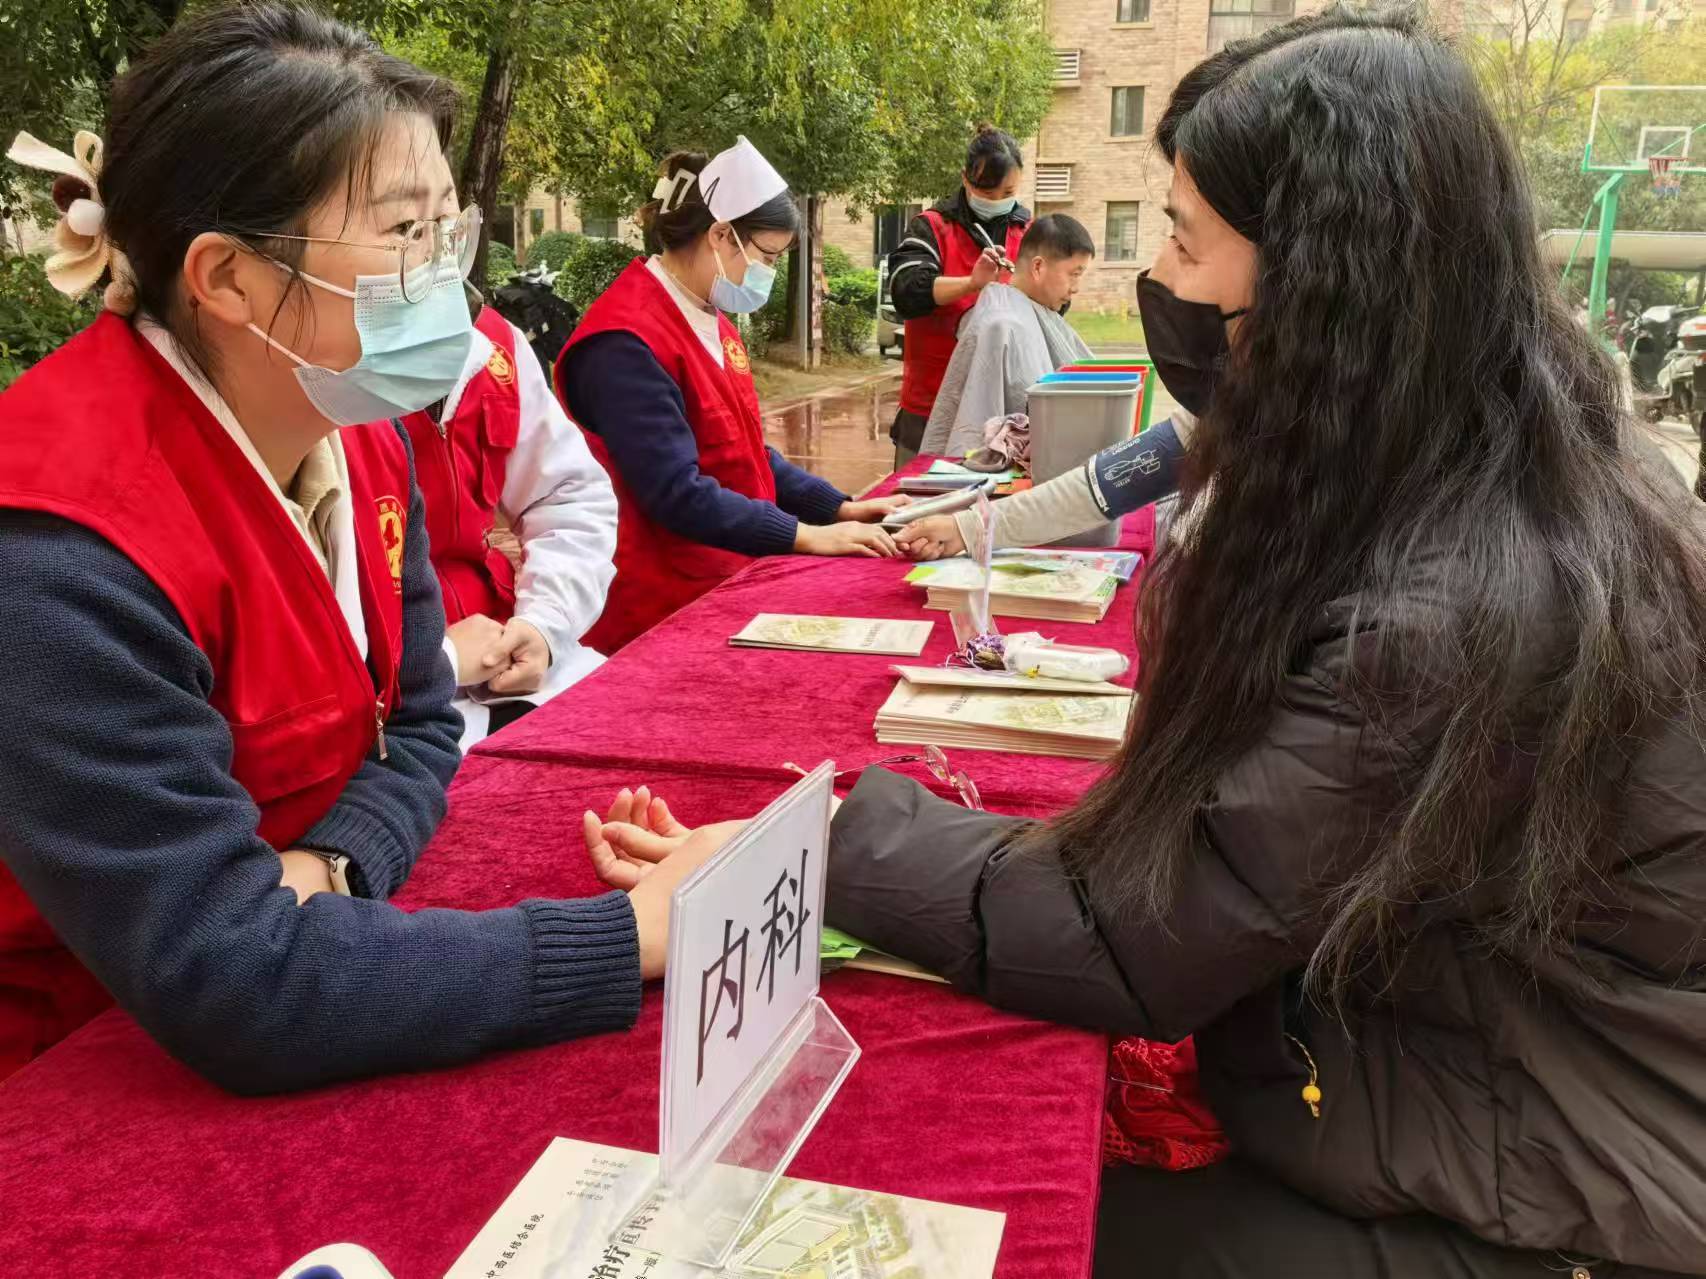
1074 725
1056 590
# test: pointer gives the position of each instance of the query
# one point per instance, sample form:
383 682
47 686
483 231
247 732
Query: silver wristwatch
338 864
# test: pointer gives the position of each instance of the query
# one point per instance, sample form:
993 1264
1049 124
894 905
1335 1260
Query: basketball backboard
1632 123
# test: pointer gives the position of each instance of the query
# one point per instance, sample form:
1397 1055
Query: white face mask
412 353
751 293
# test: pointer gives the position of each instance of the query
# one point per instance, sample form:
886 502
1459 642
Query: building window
1132 11
1235 19
1622 8
1054 183
598 221
1127 119
535 223
1067 65
1121 242
1576 29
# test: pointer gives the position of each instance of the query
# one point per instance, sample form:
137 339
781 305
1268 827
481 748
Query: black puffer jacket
1562 1107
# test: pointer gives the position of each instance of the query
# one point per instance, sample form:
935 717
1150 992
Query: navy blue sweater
120 817
617 389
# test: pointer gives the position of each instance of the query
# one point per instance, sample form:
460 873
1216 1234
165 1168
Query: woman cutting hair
1409 829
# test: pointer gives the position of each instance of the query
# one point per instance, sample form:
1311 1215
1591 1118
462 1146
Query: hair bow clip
79 237
670 192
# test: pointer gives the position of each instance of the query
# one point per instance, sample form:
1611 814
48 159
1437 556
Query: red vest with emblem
460 464
930 339
106 434
657 571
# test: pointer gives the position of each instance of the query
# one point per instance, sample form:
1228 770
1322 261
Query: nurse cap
739 180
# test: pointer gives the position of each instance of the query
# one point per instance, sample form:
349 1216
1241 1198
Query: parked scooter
530 303
1682 380
1649 341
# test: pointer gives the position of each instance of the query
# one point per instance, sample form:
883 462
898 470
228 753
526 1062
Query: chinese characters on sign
734 987
726 979
744 939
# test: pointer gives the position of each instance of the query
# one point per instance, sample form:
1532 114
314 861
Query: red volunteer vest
658 572
460 464
930 339
106 434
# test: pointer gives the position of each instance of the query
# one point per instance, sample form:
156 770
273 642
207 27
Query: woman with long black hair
1410 826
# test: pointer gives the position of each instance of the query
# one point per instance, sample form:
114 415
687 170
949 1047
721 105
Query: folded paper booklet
1077 726
1004 681
1060 592
837 950
557 1225
1122 564
887 635
943 467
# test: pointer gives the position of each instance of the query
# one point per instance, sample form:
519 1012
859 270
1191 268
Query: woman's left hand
873 509
635 834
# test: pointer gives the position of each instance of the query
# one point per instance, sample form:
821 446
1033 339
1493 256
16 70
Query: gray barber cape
1006 342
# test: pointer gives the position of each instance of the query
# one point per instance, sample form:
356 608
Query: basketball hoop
1666 180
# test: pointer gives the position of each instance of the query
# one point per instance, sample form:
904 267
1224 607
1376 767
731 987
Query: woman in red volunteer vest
659 380
500 444
935 274
226 730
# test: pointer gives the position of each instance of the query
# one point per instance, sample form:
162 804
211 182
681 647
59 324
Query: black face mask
1187 342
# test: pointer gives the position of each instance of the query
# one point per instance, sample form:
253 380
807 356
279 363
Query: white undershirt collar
340 541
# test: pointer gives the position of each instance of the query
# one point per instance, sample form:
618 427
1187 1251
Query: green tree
57 60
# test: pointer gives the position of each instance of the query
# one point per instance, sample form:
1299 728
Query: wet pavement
840 435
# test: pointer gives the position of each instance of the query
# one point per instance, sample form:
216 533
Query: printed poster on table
555 1225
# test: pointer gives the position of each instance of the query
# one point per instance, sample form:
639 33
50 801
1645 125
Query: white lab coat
562 508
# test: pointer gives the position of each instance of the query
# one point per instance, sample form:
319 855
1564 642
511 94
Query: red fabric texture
684 695
461 472
1156 1114
656 571
104 433
114 1159
930 339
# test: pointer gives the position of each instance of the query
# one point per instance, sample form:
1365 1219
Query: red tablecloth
116 1160
680 694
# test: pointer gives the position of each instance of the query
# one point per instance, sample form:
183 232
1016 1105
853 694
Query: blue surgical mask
751 293
412 353
991 208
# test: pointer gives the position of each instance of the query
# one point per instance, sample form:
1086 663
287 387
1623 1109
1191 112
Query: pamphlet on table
1003 681
838 950
1076 726
1061 592
554 1225
883 635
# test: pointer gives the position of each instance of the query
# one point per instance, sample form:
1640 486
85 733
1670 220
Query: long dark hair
1410 425
691 219
243 119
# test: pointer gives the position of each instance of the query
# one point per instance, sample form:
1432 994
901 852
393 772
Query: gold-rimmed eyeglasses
434 243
